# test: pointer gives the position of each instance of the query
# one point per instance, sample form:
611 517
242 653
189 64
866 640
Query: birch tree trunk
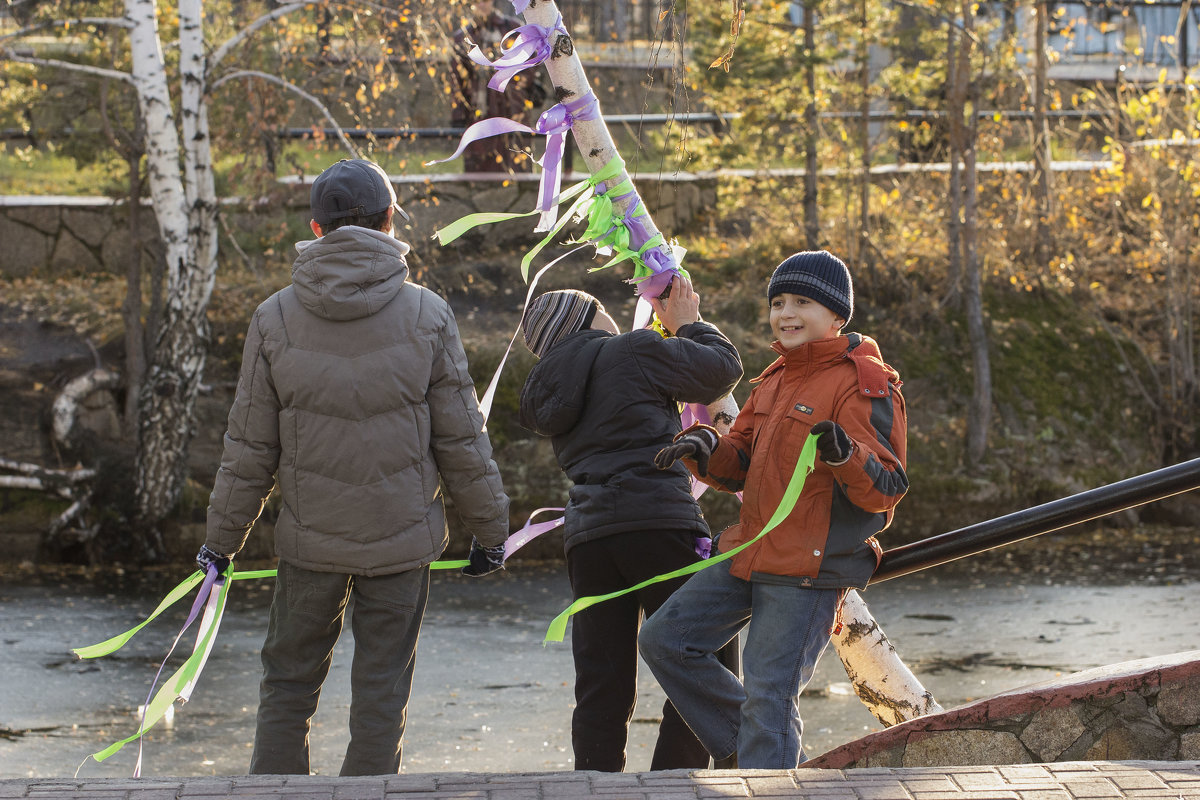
187 227
880 678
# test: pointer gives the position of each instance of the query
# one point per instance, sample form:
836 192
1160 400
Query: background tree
131 48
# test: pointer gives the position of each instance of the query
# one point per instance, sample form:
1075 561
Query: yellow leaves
735 28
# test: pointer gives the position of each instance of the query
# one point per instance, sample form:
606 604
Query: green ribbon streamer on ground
804 465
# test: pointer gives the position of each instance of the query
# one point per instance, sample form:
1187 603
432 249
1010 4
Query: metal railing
1048 517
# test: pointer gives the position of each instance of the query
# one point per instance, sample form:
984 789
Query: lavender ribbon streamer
493 126
554 124
531 47
531 531
211 579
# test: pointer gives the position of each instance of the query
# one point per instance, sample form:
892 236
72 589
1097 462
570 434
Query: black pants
306 619
604 643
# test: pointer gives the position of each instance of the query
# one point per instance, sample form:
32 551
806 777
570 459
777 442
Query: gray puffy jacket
354 396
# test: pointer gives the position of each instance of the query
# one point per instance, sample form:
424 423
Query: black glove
483 559
206 557
833 442
697 445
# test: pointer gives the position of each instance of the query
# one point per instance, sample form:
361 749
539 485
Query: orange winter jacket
828 540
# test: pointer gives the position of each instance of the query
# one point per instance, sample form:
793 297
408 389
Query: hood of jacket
349 273
557 387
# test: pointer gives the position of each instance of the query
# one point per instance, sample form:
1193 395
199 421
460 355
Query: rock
1051 732
1179 705
966 748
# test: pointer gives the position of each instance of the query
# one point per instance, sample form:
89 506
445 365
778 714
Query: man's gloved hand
206 557
698 445
833 442
483 559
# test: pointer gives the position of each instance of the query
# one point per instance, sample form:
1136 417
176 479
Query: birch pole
596 144
880 678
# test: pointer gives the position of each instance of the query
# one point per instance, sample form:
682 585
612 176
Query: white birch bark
886 686
65 409
186 214
570 84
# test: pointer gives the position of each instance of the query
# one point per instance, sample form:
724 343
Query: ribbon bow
529 46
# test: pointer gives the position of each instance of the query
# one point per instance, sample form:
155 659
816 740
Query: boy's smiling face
796 320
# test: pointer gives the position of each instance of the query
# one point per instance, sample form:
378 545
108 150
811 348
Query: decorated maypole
619 222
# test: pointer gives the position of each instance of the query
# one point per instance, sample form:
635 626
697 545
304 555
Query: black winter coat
610 403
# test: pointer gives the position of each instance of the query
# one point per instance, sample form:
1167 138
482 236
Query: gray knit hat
818 275
555 315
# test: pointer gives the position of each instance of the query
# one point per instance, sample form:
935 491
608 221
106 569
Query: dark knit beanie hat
817 275
556 315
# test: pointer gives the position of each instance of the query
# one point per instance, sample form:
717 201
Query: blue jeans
756 717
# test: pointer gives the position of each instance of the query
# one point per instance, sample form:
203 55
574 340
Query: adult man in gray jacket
353 399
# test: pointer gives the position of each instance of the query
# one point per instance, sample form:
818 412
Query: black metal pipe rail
1052 516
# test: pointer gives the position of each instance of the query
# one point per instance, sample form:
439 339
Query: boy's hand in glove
833 442
698 445
206 557
483 559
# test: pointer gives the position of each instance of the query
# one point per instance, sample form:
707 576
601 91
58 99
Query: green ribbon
188 673
804 465
585 189
177 683
179 592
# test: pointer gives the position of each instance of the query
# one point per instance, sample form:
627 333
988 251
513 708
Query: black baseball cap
353 187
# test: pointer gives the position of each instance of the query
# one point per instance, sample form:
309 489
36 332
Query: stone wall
1146 709
54 237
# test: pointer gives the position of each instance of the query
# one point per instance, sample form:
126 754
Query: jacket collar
814 352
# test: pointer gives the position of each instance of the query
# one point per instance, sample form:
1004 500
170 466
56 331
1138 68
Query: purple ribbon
530 47
662 268
493 126
520 5
638 234
554 124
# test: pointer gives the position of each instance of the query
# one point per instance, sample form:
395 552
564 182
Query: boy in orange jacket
787 587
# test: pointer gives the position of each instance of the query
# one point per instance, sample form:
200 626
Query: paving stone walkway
1079 780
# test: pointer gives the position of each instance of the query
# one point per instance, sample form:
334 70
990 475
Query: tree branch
97 72
67 24
246 73
250 29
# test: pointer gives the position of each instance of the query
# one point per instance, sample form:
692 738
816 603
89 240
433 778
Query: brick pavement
1079 780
